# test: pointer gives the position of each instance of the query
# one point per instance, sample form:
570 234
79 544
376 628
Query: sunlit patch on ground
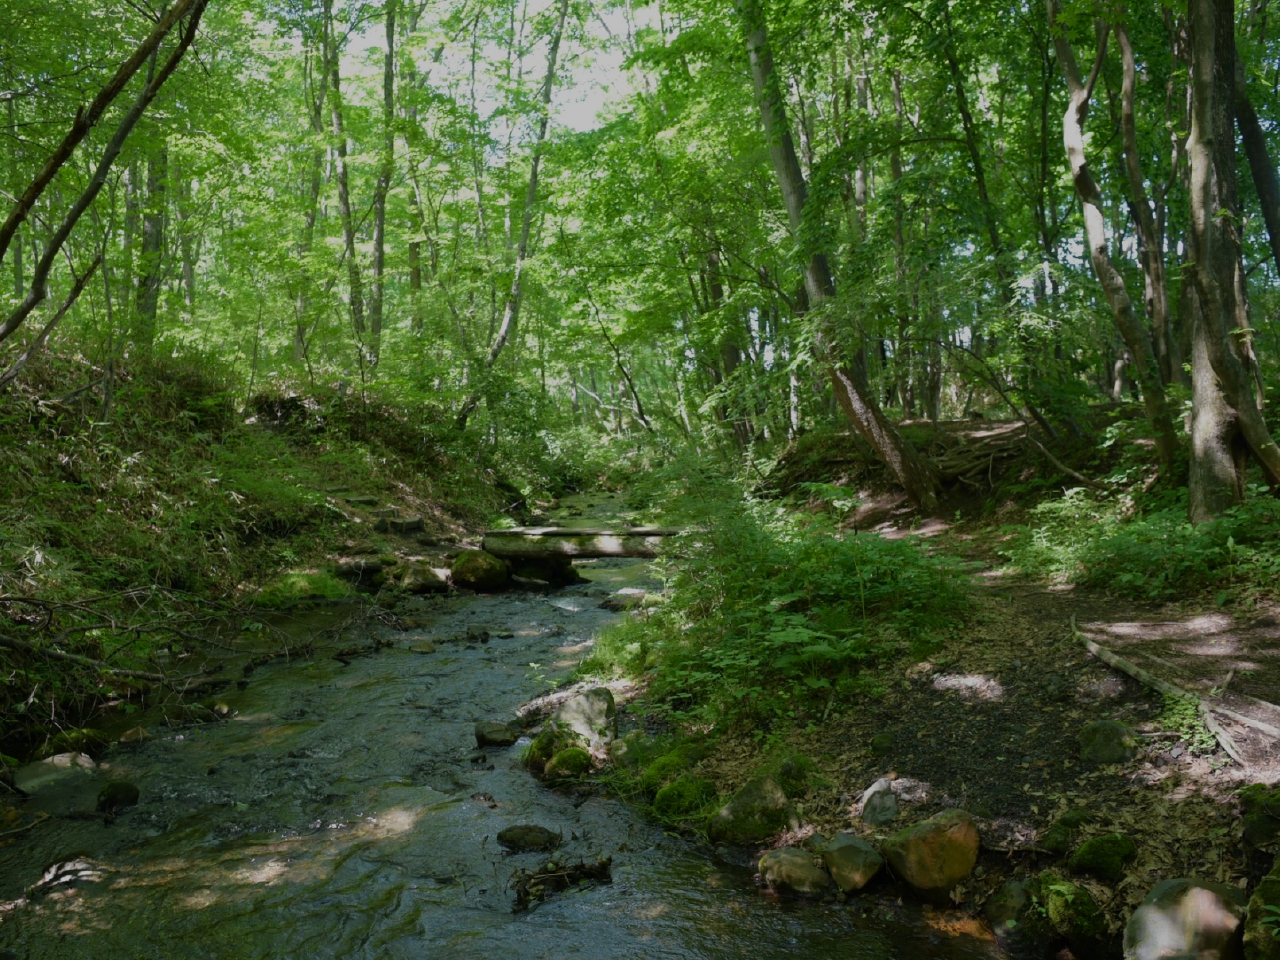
970 686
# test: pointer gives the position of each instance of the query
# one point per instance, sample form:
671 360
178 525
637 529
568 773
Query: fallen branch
1224 739
40 818
13 643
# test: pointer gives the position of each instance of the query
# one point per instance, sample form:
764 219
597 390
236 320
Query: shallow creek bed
343 810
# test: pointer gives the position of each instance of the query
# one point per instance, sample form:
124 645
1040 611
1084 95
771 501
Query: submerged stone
527 836
792 870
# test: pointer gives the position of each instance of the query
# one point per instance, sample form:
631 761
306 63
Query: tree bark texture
1134 333
852 389
1215 266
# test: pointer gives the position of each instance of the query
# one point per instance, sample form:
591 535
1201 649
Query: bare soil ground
991 724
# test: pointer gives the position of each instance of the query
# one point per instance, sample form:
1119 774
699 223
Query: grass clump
1157 555
772 614
299 586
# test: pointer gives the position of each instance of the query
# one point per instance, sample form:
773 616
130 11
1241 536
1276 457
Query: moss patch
683 797
297 586
1104 857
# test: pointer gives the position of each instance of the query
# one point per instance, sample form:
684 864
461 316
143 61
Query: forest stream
344 811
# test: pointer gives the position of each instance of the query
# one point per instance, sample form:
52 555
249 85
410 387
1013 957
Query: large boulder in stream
479 571
1187 918
933 856
591 716
495 733
756 812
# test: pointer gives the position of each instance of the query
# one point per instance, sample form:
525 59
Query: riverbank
996 721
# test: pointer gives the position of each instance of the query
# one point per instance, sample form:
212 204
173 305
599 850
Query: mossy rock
882 745
756 812
1261 815
1106 741
568 764
544 746
300 586
477 570
1262 940
1074 915
666 768
793 773
683 797
1104 857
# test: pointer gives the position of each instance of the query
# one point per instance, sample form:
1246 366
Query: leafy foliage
771 615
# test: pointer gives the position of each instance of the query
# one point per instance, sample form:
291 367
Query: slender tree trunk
1265 182
1215 266
1151 245
317 92
1135 334
377 292
850 384
151 259
511 311
355 281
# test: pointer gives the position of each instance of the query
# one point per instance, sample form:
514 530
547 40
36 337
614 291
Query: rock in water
1186 918
879 805
116 795
493 733
756 812
933 856
792 870
852 861
527 836
419 578
477 570
1106 741
35 777
591 716
569 764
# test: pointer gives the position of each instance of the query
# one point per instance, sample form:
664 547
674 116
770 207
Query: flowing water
343 812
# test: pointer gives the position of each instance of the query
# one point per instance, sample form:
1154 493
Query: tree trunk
1264 173
1151 247
852 390
354 280
1215 266
377 293
1132 330
151 259
511 311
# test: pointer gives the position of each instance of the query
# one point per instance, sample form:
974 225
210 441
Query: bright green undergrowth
1155 555
778 615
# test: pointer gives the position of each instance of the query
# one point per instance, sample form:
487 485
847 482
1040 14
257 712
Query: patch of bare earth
991 725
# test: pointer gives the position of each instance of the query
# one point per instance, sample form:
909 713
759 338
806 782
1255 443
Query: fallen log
1203 705
541 543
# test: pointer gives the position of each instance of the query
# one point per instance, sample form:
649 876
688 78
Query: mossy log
538 543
